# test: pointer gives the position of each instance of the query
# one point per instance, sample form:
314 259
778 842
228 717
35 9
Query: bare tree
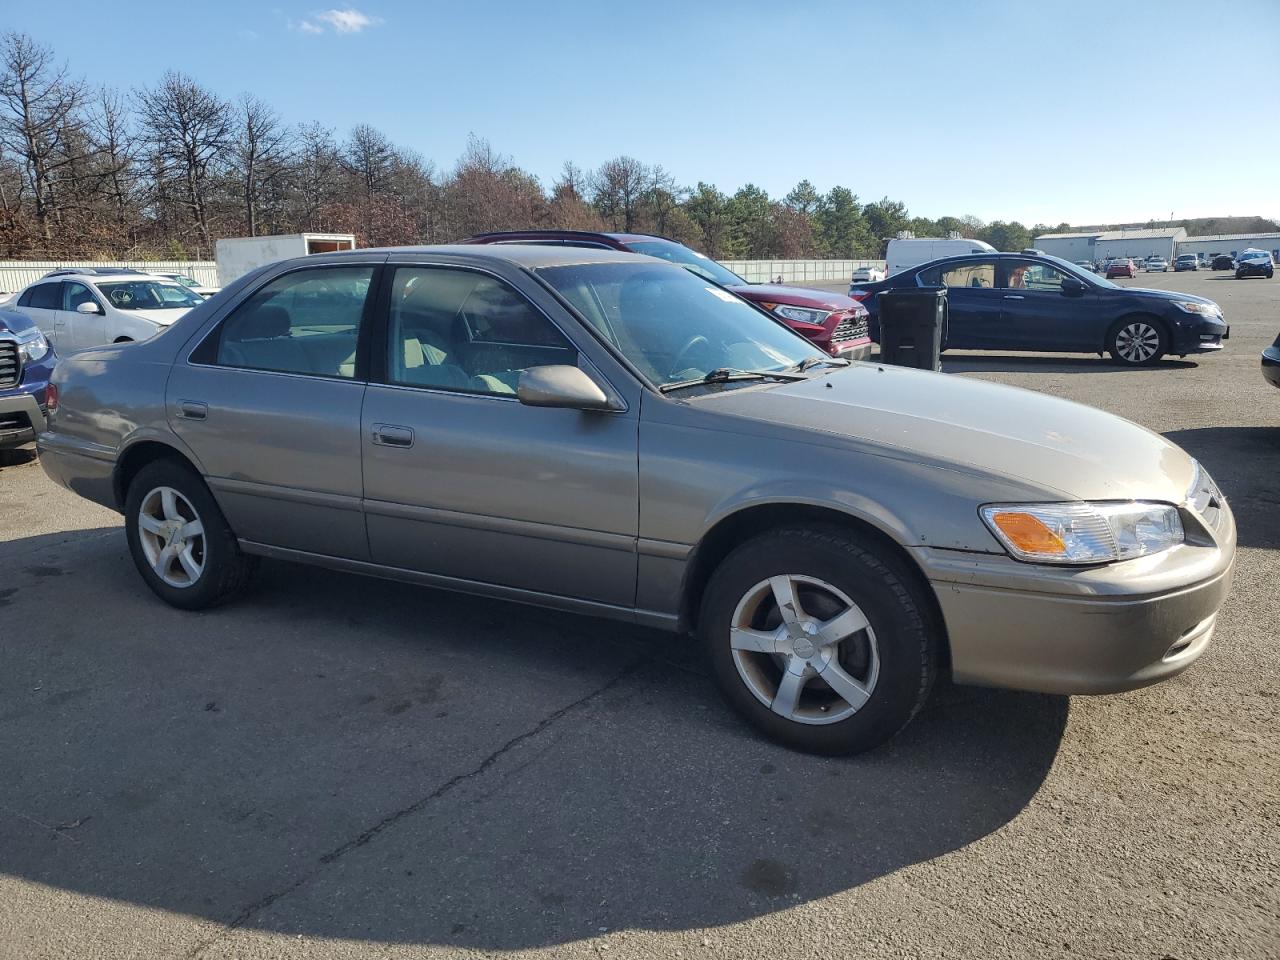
189 129
488 192
317 172
369 157
116 154
39 106
619 185
261 154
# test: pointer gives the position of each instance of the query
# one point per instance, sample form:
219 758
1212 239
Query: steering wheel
697 340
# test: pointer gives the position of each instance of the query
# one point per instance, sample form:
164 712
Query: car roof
531 256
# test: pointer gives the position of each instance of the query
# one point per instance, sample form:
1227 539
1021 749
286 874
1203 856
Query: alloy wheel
804 649
172 537
1138 342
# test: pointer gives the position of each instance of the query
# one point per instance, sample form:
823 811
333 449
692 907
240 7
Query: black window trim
205 352
30 292
381 332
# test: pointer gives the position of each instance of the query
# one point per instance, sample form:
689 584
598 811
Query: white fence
796 271
16 274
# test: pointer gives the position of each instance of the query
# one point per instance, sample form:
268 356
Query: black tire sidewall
222 557
876 584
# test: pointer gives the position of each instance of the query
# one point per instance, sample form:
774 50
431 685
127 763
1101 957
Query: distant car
1224 261
1254 263
1157 265
834 322
78 311
26 363
1086 265
1271 363
867 275
1009 301
191 283
1121 268
1186 261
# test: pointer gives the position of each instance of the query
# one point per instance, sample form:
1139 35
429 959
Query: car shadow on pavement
17 456
345 757
1245 463
1006 363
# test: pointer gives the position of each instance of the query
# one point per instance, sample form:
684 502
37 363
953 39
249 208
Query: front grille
14 421
850 328
10 365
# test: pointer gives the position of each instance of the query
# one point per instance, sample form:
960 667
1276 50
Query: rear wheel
180 541
819 639
1135 342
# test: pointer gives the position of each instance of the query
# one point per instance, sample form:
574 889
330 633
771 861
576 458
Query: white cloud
305 26
346 21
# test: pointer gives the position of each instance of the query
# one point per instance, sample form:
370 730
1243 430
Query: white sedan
868 275
1157 264
79 311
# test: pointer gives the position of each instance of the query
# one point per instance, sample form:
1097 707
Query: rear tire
1137 342
838 666
179 539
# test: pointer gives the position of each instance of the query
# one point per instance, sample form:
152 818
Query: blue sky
1083 112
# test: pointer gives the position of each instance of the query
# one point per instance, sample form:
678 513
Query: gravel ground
341 767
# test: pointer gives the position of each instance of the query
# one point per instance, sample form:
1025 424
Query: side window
1034 277
43 296
459 330
307 321
980 273
75 294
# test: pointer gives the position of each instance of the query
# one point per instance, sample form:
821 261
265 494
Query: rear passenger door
41 302
974 304
269 401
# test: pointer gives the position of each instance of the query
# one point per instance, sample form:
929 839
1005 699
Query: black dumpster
913 324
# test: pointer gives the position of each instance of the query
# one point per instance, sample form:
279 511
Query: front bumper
1271 364
21 418
1086 631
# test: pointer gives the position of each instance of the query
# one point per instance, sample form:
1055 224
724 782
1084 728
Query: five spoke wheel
172 537
804 649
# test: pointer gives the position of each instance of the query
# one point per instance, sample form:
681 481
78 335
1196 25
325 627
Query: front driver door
270 404
461 479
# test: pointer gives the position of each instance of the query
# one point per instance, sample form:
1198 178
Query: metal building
1231 244
1099 245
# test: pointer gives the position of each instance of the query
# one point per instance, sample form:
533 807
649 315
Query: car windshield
672 325
148 295
1088 276
702 265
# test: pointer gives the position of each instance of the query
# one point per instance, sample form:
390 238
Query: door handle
391 435
193 409
1014 296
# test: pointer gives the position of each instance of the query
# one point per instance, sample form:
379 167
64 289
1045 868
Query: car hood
1168 295
17 324
795 296
162 317
1066 449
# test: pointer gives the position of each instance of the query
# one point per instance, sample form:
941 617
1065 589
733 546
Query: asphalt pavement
335 766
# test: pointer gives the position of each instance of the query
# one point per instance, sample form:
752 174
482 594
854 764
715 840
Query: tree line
164 171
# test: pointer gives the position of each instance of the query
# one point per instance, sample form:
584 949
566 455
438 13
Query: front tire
820 638
1137 342
179 539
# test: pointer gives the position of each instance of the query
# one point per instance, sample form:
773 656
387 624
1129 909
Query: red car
1121 268
834 322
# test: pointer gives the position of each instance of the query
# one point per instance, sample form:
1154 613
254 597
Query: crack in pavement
253 909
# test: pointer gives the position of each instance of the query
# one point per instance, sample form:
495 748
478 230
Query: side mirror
560 385
1071 287
88 307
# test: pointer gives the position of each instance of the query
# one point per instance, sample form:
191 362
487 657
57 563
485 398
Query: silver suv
609 433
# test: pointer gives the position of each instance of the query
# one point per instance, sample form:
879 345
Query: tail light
859 295
51 398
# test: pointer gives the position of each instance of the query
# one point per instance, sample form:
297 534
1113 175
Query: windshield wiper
808 363
728 374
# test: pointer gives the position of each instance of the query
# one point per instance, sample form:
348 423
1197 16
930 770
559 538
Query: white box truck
906 252
236 256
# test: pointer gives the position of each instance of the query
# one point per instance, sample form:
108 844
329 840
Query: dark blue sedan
1013 301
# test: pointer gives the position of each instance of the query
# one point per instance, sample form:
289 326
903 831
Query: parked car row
575 426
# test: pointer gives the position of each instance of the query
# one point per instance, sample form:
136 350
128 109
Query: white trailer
236 256
907 252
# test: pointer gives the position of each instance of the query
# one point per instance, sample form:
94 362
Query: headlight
1084 532
802 314
34 350
1203 309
